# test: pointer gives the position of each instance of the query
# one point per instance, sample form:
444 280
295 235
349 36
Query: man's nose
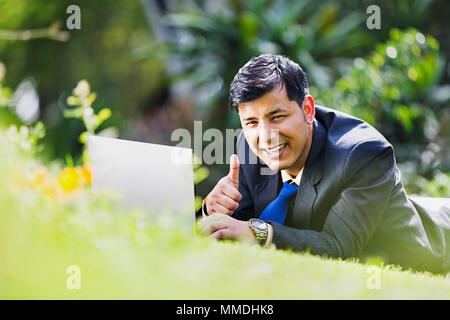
268 136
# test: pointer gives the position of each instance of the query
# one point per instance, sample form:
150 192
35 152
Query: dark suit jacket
351 202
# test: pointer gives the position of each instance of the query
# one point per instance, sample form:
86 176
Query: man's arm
368 178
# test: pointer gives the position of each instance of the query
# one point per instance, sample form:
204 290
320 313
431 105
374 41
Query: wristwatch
260 229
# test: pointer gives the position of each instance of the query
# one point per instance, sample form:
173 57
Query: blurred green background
161 64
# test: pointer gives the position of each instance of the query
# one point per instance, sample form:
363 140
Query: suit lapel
304 202
312 174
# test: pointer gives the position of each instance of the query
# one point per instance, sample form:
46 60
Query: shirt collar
285 176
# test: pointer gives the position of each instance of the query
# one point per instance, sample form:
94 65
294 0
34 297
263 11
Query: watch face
259 224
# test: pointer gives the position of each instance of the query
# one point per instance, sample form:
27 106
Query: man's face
277 129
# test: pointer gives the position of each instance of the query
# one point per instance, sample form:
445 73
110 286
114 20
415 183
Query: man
334 187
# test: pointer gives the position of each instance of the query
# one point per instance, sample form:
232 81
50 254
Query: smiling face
277 130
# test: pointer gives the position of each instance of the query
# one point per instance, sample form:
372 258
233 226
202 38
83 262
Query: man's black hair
264 73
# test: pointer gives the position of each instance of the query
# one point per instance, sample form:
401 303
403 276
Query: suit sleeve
368 178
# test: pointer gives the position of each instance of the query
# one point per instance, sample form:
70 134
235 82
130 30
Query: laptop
156 178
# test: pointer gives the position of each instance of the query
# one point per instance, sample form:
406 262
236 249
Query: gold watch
260 229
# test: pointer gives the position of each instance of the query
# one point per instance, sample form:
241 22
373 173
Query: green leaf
83 137
104 114
69 160
73 101
91 97
200 174
73 113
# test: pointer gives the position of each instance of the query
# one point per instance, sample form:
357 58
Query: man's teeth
276 148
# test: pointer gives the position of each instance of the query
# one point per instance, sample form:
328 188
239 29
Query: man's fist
225 197
219 226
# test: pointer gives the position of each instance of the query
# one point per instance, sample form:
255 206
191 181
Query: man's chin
276 165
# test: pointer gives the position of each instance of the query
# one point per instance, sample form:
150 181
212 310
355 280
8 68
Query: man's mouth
276 151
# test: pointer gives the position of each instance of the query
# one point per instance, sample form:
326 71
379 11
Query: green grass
168 265
121 255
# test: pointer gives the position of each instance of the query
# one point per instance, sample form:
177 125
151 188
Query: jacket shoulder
351 142
349 133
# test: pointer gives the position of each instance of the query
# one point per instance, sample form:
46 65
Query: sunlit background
160 65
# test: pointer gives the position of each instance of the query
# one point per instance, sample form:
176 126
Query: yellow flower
50 190
86 173
39 176
69 179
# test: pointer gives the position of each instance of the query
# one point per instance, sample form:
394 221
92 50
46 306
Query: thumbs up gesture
233 175
225 196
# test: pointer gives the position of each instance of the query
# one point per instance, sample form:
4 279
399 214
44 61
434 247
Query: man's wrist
260 230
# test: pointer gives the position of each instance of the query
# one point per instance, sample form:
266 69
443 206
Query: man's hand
221 226
225 197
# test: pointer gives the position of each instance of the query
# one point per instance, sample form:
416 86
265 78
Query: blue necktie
276 211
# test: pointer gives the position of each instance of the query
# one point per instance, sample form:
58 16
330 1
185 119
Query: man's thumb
234 170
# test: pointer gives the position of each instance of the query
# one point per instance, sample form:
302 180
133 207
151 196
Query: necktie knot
288 190
276 211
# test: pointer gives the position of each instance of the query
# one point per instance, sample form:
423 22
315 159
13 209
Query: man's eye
251 123
278 117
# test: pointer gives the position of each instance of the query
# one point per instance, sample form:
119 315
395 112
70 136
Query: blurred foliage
105 51
5 92
200 174
215 42
381 88
210 42
396 89
438 186
52 32
83 99
27 137
160 64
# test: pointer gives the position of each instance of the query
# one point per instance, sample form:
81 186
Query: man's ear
309 109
